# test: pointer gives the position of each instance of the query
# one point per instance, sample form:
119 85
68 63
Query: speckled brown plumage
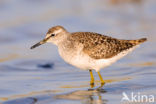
100 46
88 50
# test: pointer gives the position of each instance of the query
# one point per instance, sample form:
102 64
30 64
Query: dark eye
52 34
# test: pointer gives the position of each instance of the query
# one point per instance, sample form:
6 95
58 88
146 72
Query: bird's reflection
90 96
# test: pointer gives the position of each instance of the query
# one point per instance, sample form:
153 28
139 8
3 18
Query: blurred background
25 22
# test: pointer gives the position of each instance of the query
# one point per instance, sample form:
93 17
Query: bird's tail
139 41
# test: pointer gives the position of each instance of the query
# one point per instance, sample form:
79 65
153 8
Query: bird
88 50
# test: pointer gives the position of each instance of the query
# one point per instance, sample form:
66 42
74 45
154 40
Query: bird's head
54 35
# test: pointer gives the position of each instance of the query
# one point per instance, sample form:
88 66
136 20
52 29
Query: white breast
75 57
81 60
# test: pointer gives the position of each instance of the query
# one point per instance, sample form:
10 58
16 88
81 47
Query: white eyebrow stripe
58 31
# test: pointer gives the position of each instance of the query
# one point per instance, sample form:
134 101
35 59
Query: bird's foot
92 84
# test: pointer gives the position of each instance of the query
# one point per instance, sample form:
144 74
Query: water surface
40 76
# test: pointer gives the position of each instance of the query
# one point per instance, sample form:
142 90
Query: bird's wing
98 46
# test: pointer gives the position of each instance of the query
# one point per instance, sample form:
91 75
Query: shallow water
40 76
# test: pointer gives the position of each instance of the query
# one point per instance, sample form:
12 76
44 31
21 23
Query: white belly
83 61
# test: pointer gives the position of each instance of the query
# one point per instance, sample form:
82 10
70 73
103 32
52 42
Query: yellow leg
92 79
101 79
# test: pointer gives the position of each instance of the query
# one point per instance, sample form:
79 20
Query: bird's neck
63 39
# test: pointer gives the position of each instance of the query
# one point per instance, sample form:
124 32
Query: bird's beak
40 43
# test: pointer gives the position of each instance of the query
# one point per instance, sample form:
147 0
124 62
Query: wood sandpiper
89 50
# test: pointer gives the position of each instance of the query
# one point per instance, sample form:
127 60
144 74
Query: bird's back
99 46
